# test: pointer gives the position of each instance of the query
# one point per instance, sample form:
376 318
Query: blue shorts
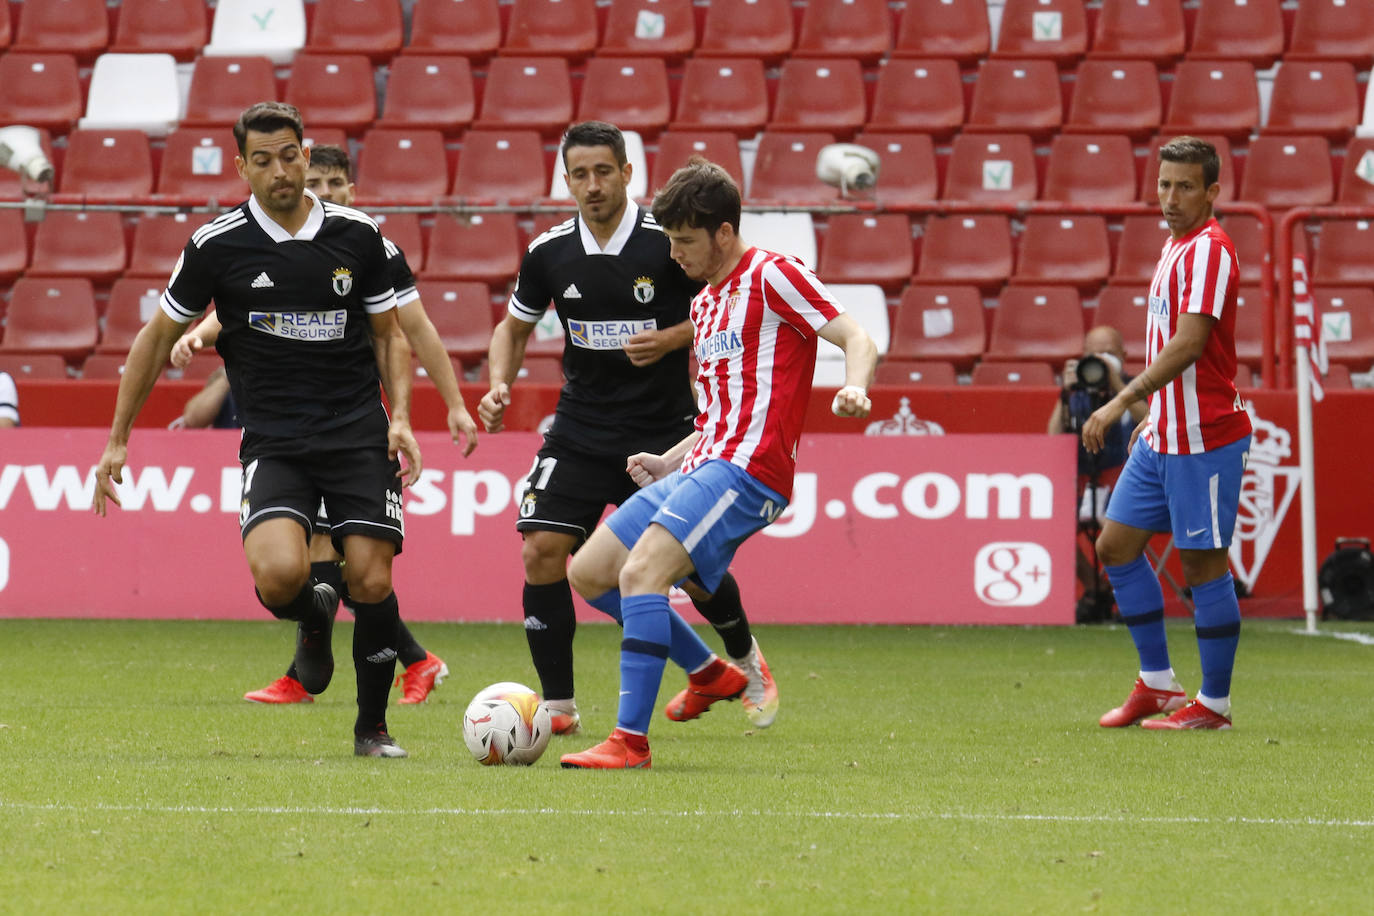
710 511
1195 497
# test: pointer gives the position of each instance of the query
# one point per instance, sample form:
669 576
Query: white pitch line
1364 639
735 812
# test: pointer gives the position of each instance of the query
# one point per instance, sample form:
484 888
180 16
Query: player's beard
284 203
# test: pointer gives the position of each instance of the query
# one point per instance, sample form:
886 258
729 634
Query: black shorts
357 487
568 491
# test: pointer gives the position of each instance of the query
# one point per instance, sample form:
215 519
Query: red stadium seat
969 249
371 27
403 229
200 164
41 90
461 313
1337 378
11 186
133 300
325 136
483 247
5 32
1126 308
923 96
51 315
1017 96
868 248
1070 249
1037 323
107 164
1149 181
1342 255
565 28
159 242
905 372
665 29
676 147
940 323
1013 373
1346 318
471 28
176 27
104 366
747 28
1357 173
23 367
907 174
1213 96
991 168
14 245
1138 249
1115 96
1250 326
433 91
77 27
1238 30
1139 28
1315 97
400 166
629 92
1247 238
1283 172
944 28
527 93
1090 169
722 95
859 29
79 244
1056 30
501 165
333 90
222 87
785 169
823 95
198 370
1333 30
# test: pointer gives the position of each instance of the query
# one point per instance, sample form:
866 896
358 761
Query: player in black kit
304 294
623 303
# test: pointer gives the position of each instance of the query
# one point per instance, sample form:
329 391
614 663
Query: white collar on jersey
618 240
274 229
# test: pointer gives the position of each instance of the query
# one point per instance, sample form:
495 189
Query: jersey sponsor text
308 326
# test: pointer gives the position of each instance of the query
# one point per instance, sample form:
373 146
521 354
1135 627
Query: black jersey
608 406
402 279
296 340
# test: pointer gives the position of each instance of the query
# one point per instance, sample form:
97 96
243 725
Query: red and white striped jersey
755 342
1200 409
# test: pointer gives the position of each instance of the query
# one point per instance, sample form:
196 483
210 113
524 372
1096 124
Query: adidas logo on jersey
263 281
572 292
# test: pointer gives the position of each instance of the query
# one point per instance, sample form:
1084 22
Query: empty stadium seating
906 372
1342 255
107 164
370 27
1013 372
1138 249
1090 169
1213 96
483 247
956 29
566 28
77 27
820 95
25 366
785 169
133 91
859 29
1357 173
430 91
402 166
747 28
51 315
240 29
527 93
940 323
471 28
1249 30
1345 317
1017 96
222 87
461 313
403 229
1283 172
1315 97
868 248
1250 327
970 249
665 29
1070 249
1333 30
1054 30
1043 323
82 244
159 242
676 147
1152 29
501 165
14 245
1126 308
176 27
919 96
133 300
333 90
728 94
907 173
629 92
1120 96
41 90
200 164
991 168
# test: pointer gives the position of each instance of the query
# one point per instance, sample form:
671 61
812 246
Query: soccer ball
506 724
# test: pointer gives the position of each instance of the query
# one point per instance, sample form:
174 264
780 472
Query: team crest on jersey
730 302
644 289
343 281
310 326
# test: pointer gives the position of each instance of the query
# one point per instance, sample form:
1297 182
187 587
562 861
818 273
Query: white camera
847 165
20 150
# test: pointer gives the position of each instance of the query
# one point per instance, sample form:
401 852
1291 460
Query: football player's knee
544 561
368 584
278 582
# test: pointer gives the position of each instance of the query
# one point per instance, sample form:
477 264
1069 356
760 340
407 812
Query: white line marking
696 813
1364 639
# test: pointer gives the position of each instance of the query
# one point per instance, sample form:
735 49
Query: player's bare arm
860 360
504 358
192 342
648 347
1182 350
424 340
393 363
200 411
646 467
147 356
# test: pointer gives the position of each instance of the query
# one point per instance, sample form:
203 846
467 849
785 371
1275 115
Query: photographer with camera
1089 382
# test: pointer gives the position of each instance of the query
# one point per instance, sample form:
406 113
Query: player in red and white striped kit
1184 473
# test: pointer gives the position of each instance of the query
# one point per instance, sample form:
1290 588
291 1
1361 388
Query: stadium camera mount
848 166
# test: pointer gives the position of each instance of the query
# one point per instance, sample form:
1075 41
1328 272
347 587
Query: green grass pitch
911 770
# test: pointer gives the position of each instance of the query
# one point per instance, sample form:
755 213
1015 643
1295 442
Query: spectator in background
1103 376
9 402
211 406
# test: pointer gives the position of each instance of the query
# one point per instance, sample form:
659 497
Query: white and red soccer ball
506 723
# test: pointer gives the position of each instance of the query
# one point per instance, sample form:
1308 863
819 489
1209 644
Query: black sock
725 612
374 659
550 623
301 607
407 649
330 573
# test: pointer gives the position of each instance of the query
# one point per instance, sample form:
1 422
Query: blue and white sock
685 647
643 651
1141 602
1216 618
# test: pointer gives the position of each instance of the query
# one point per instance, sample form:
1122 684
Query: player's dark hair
331 158
595 133
1192 151
700 195
266 118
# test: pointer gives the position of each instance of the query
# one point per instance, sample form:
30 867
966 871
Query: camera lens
1092 372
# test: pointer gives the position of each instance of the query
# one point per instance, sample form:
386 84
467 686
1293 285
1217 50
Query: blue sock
608 604
1141 601
643 651
686 649
1216 616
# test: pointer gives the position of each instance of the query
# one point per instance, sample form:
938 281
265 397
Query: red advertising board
882 529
